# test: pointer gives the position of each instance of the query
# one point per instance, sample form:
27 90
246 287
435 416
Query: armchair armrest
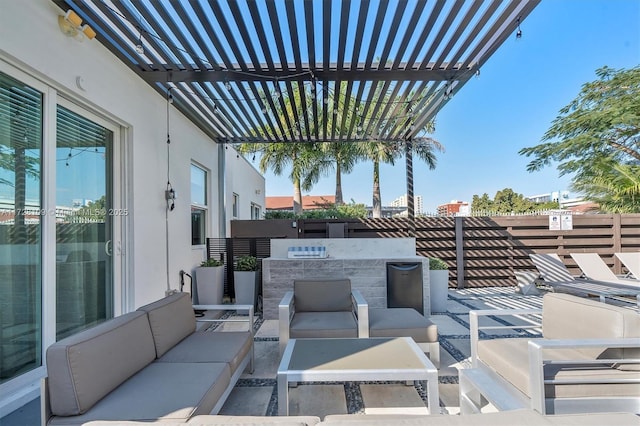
286 309
362 313
537 361
475 327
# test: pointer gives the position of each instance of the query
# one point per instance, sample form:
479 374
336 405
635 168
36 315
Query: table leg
433 397
283 395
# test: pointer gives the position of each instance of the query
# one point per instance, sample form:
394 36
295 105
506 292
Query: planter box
246 286
439 289
210 285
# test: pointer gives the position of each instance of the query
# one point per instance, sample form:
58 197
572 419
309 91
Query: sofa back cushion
171 320
85 367
570 317
322 295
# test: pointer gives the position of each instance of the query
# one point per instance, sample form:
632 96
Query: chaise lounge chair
555 274
632 262
594 268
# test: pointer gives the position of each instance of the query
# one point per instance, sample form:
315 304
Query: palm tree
339 156
279 156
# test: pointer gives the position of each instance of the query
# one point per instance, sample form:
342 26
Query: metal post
410 205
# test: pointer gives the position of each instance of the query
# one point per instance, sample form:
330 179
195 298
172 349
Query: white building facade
77 124
403 201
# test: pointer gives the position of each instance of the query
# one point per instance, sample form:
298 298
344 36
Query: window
236 204
198 205
255 211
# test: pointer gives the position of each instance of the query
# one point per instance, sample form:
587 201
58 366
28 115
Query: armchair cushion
509 358
322 295
323 324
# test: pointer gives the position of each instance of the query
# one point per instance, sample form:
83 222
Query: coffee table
352 359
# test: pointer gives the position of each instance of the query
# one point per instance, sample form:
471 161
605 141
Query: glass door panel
84 284
21 112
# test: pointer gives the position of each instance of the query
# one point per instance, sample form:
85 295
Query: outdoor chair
632 262
557 276
574 355
322 309
593 267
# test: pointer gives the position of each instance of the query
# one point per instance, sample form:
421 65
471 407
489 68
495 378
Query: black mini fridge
404 285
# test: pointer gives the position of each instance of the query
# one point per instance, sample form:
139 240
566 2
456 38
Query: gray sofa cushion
401 322
171 320
322 295
230 347
323 324
569 317
85 367
503 418
161 391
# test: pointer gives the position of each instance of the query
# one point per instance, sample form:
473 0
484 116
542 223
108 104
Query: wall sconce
71 25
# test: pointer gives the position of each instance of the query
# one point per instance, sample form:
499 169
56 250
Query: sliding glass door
61 223
84 213
21 130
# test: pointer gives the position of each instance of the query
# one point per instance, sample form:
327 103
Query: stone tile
447 326
447 364
269 328
455 307
392 399
247 401
463 345
267 359
317 400
449 398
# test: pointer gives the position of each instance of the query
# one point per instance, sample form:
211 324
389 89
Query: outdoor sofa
505 418
587 360
146 365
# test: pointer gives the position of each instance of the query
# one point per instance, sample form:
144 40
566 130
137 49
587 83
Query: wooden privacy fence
480 251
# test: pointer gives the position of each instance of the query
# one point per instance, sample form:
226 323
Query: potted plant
245 279
210 282
438 284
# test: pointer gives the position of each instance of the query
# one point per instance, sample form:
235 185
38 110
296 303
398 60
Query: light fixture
71 25
140 46
519 32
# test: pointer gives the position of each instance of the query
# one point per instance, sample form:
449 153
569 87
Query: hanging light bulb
227 85
140 46
519 32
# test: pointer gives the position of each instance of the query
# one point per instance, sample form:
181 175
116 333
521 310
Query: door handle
107 248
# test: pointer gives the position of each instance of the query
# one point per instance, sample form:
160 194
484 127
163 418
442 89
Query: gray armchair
322 308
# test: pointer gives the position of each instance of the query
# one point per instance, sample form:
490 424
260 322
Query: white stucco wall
244 180
31 41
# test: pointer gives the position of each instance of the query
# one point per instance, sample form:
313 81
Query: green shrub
246 263
211 263
437 264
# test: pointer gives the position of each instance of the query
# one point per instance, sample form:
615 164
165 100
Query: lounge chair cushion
569 317
322 295
163 391
508 357
323 324
401 322
121 347
171 320
230 347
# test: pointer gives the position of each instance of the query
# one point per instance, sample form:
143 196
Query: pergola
305 70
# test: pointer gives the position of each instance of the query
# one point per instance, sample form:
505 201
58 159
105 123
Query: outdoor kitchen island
362 260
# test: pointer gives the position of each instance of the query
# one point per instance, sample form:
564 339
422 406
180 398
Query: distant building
402 201
564 199
309 202
454 208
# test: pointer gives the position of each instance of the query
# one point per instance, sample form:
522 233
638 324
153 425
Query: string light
139 46
519 32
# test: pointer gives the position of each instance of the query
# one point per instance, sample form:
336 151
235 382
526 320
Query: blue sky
508 107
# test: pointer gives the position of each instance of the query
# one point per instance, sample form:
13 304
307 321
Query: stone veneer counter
362 260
